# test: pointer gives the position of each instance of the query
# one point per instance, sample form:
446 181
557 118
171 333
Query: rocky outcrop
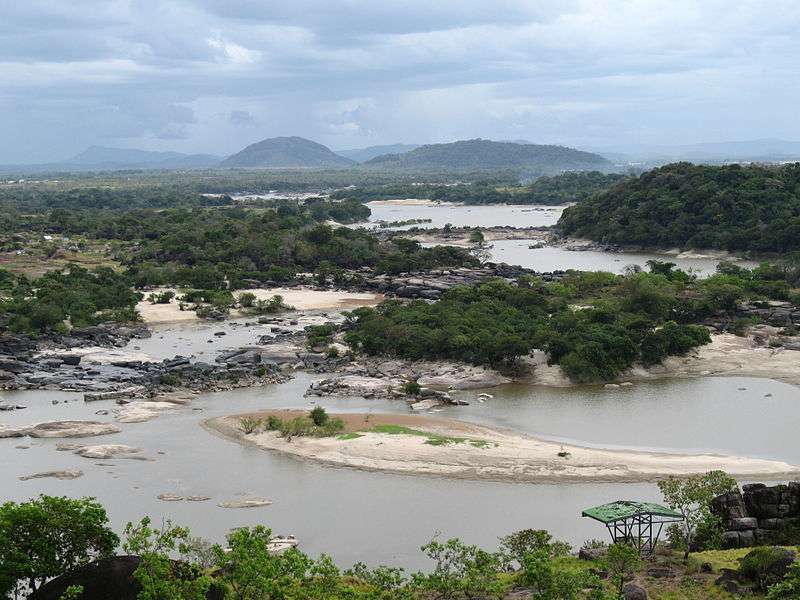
106 451
759 514
61 429
67 474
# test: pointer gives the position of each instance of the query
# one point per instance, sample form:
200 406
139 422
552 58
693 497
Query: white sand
508 456
299 298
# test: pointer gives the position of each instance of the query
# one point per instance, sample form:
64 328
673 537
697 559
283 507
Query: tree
621 560
692 497
251 572
49 536
159 575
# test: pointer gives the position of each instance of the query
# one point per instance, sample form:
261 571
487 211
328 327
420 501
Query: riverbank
422 445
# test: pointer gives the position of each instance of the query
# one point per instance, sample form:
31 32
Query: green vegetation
80 296
316 424
734 207
48 536
692 496
434 439
594 325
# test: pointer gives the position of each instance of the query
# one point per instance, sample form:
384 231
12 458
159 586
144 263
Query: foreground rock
758 515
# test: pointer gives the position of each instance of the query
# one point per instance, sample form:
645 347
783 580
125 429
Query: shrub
274 423
246 299
318 416
169 379
527 541
161 298
249 424
765 565
411 388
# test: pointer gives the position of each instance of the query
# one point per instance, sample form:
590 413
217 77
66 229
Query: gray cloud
214 75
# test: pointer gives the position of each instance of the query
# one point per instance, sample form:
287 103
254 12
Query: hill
733 207
370 152
285 152
481 154
100 157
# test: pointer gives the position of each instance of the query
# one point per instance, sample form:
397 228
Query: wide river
384 518
516 252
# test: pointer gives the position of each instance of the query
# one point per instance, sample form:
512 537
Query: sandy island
485 453
300 298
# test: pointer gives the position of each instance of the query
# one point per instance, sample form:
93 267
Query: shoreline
491 454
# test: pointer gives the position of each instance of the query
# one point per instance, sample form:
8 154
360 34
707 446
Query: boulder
592 553
633 591
72 429
742 524
105 578
106 451
245 503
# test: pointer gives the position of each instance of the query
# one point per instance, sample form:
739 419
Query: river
516 252
383 518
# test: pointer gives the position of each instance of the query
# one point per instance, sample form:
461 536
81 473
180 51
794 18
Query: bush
318 416
411 388
766 565
274 423
249 424
528 541
161 297
246 299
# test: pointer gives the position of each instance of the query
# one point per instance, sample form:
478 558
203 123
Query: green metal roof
625 509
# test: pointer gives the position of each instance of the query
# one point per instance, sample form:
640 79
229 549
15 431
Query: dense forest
594 325
573 186
734 207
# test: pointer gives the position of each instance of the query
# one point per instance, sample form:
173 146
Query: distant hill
100 157
732 207
365 154
285 152
481 154
761 150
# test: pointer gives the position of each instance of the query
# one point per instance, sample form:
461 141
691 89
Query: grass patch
434 439
726 559
350 436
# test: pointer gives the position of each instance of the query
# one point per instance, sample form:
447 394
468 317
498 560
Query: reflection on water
378 517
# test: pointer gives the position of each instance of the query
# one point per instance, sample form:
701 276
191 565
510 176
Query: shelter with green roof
636 523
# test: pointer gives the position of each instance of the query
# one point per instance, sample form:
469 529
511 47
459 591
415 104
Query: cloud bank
214 75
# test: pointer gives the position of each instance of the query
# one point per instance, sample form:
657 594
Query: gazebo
636 523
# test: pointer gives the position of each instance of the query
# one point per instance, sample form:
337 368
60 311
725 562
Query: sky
211 76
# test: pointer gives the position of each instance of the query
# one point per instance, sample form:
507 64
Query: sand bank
487 453
299 298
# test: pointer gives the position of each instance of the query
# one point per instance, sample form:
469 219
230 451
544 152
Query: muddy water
376 517
466 216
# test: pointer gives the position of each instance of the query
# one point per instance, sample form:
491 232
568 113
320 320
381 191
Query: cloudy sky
214 75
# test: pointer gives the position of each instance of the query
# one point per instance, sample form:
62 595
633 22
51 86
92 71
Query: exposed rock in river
68 474
106 451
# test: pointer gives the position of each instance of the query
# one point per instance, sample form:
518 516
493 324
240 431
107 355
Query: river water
384 518
516 252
